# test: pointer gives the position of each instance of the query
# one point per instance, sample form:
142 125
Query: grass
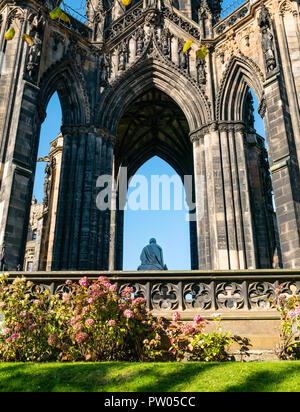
275 376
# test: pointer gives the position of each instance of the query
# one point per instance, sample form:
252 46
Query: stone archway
235 113
146 74
21 151
152 124
152 78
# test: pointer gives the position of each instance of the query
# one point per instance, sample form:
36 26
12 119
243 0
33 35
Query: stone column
263 215
282 118
108 229
19 132
248 258
202 218
56 154
216 199
225 233
117 239
285 170
230 211
287 25
83 231
113 222
19 153
63 216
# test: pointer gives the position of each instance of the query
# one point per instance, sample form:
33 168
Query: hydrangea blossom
128 314
83 281
175 317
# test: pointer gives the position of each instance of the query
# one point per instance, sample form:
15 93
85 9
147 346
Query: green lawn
151 377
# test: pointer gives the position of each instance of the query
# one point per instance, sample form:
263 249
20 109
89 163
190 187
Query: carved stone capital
75 130
202 131
67 130
196 136
106 135
213 127
239 127
223 127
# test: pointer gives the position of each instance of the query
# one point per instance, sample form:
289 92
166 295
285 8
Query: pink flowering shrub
289 308
90 321
191 341
27 322
94 323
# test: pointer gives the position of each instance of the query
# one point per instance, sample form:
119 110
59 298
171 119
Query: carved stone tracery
198 296
164 296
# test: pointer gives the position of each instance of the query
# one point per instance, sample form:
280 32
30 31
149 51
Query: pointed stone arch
141 78
255 221
241 74
152 124
64 78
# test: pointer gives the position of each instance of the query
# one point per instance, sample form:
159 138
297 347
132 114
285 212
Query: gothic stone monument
128 92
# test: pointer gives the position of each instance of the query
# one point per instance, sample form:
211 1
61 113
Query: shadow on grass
287 379
106 377
174 377
146 377
30 377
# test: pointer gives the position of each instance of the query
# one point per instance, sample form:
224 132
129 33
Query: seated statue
152 257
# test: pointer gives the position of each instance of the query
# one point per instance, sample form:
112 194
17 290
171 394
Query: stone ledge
188 315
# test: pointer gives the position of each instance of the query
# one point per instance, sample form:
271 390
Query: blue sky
170 228
227 5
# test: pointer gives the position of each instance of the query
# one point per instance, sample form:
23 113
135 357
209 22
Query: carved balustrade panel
40 288
260 294
62 288
124 22
230 295
198 296
165 296
139 289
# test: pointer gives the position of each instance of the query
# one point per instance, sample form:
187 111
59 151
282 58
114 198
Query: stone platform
241 297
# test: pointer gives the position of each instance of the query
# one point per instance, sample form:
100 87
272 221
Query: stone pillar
19 125
228 166
249 242
56 155
285 170
282 120
202 217
287 25
108 229
19 152
263 214
225 233
113 222
216 199
83 231
192 224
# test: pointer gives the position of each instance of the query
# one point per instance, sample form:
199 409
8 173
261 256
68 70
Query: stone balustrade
234 294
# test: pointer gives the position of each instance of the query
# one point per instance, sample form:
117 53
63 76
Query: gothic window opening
43 206
262 196
153 137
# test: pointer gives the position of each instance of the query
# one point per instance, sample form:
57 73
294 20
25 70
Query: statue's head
152 240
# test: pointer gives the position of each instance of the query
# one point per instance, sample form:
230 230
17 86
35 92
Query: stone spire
99 16
208 14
